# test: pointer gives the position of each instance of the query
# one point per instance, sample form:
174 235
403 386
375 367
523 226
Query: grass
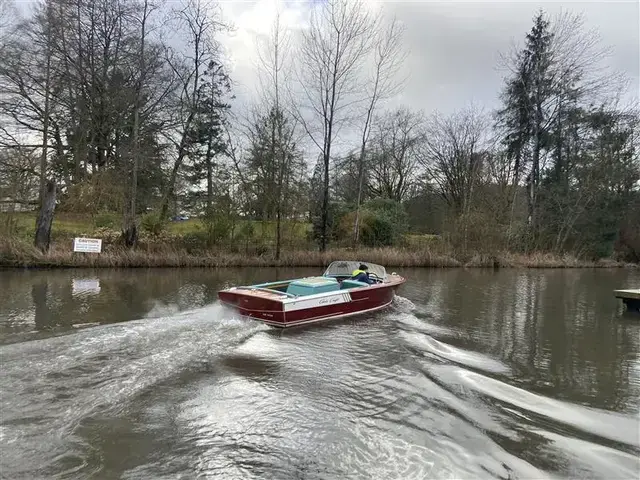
68 225
171 249
16 253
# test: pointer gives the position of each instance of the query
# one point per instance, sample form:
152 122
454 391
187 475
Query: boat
302 301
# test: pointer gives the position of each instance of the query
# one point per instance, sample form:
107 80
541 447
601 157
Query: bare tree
47 187
389 56
333 50
273 63
129 227
394 167
7 22
18 179
453 152
196 18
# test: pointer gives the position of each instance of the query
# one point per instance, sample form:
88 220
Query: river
141 374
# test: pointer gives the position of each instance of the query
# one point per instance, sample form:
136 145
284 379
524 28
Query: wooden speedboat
307 300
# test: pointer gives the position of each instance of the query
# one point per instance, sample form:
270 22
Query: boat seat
313 285
353 284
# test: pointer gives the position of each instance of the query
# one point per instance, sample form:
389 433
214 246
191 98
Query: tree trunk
130 227
45 217
278 229
325 205
356 224
209 177
130 230
47 189
164 209
182 152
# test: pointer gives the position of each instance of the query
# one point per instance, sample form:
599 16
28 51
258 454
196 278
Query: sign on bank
87 245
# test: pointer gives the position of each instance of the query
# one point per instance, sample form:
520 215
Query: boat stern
255 303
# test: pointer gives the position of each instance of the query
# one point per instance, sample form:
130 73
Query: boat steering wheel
375 277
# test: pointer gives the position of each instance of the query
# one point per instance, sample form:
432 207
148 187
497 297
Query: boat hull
283 312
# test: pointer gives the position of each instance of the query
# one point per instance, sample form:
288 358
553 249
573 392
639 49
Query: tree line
125 106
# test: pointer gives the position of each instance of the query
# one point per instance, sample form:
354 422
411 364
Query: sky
453 46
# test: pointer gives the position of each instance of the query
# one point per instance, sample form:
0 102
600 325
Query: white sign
324 301
88 245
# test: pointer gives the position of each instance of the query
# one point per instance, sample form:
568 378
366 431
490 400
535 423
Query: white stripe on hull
324 301
318 319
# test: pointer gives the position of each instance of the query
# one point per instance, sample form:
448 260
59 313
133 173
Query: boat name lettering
324 301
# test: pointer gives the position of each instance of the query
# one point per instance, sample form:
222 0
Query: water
471 374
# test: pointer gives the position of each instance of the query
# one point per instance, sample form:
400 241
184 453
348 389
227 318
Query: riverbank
16 254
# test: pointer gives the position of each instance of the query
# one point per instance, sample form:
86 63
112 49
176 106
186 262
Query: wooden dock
630 297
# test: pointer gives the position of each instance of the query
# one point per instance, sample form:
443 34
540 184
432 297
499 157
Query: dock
631 298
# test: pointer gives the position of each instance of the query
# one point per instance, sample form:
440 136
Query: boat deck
262 292
633 294
271 294
630 297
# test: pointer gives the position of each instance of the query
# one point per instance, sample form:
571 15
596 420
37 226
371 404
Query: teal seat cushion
313 285
353 284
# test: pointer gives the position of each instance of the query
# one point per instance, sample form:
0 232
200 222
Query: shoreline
14 256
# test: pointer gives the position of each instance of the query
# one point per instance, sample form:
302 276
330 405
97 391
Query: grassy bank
186 244
69 225
17 253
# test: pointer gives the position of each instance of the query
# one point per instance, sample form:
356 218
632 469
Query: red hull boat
302 301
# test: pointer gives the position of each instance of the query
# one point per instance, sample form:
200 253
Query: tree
19 175
388 57
7 15
274 168
558 66
47 198
275 156
385 221
453 153
333 50
586 212
347 170
393 160
208 131
91 78
130 227
200 26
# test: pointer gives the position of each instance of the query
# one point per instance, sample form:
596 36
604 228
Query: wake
48 386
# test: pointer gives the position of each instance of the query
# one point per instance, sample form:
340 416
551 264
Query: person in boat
361 274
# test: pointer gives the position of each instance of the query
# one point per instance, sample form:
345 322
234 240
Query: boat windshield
340 268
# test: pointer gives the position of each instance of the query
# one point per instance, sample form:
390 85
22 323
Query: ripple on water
65 379
205 394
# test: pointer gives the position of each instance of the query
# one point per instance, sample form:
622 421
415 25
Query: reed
15 253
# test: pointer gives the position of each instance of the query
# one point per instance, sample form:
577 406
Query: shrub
196 241
478 232
384 222
152 224
218 228
108 235
104 220
244 235
335 214
377 231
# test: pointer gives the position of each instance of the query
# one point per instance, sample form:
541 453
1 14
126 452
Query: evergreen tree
206 138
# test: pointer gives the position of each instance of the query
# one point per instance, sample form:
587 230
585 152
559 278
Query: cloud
252 22
454 46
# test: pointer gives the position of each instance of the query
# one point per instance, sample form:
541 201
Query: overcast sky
454 45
